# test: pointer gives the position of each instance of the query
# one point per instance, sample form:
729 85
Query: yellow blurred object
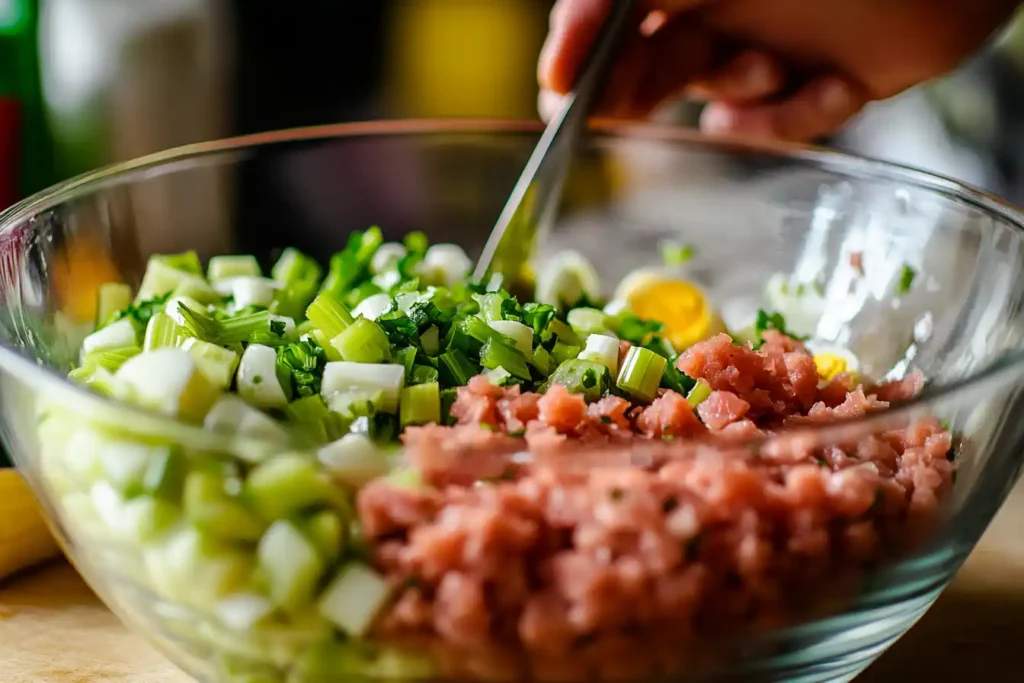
680 305
467 57
24 538
77 275
834 362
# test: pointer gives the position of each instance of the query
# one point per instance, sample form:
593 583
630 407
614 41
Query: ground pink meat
672 526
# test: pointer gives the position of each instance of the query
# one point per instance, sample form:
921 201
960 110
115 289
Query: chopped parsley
906 281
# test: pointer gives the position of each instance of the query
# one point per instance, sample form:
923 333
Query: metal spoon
534 201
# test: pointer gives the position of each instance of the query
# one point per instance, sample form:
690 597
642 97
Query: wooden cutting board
54 630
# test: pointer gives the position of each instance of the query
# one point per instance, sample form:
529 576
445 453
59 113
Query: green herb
906 281
352 264
772 321
141 312
638 331
674 254
304 362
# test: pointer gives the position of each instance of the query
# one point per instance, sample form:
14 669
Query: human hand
788 69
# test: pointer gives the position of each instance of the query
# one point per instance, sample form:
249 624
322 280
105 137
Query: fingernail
717 120
548 103
834 96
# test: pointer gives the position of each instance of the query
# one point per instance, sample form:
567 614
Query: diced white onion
387 256
257 378
604 350
116 335
372 307
252 291
354 459
449 262
168 380
346 376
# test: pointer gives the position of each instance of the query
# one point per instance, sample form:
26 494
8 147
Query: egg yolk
830 365
680 305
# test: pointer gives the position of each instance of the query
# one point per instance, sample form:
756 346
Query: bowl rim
991 375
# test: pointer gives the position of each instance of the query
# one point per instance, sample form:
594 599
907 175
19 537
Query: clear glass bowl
749 210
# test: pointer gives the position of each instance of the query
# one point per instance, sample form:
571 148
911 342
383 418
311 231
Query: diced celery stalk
216 362
354 598
145 519
420 404
126 462
563 333
698 393
230 415
582 377
196 569
496 354
164 477
587 321
290 329
369 378
224 267
430 341
167 380
186 261
196 288
294 266
542 360
109 359
162 332
172 307
519 333
159 279
641 373
354 460
327 531
116 335
328 314
333 354
102 381
602 349
111 298
252 291
363 342
355 403
242 611
291 564
372 307
499 377
257 380
213 510
287 484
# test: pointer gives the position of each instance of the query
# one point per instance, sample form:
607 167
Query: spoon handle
534 200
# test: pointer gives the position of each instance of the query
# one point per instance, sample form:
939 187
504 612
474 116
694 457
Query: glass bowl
854 231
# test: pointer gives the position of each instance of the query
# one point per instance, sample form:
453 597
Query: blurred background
84 83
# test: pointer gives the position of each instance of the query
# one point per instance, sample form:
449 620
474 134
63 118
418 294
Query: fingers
818 108
573 26
750 76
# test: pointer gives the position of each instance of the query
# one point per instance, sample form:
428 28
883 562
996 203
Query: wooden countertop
54 630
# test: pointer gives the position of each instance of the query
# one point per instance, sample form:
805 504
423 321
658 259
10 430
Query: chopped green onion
226 267
675 254
497 354
286 485
602 349
587 321
216 362
422 374
542 360
299 278
500 377
316 419
562 352
700 391
163 332
324 342
641 373
111 298
345 376
352 264
455 368
582 377
430 341
420 404
490 306
257 378
562 332
363 342
906 281
328 314
520 334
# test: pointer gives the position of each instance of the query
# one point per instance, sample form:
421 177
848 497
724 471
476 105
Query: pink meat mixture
709 535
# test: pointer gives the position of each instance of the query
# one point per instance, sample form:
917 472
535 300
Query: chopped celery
563 333
216 362
430 341
197 289
587 321
490 306
542 360
116 335
315 418
287 484
354 598
327 532
226 331
345 376
455 368
328 314
641 373
499 377
518 333
257 379
333 355
212 509
173 307
299 277
168 380
291 564
700 391
224 267
163 332
110 359
354 460
186 261
582 377
496 354
242 611
160 278
145 519
363 342
602 349
420 404
111 298
164 476
422 374
562 352
196 569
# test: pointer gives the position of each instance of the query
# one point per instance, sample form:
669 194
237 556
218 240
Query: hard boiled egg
683 307
833 361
